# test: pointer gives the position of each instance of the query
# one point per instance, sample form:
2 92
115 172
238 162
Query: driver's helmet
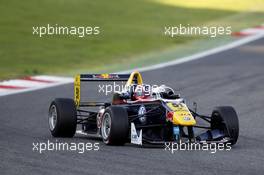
163 91
167 90
140 91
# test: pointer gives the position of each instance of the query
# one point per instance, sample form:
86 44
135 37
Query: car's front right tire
114 128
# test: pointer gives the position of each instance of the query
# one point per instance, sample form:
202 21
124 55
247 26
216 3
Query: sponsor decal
105 76
186 118
142 110
135 138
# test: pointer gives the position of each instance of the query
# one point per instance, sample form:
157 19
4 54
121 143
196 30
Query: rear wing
134 77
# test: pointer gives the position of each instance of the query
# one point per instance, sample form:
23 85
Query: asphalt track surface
234 77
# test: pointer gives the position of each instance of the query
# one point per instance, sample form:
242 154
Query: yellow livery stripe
77 90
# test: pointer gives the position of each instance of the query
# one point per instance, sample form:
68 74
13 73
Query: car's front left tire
225 118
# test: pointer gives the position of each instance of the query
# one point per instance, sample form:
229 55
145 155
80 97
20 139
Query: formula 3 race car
139 114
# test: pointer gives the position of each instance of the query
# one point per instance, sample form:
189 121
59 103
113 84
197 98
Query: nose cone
181 115
184 119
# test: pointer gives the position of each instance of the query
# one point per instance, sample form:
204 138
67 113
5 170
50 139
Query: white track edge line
202 54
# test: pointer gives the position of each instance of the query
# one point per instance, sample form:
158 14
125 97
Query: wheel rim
106 126
52 117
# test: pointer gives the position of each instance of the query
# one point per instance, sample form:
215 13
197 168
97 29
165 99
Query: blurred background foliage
128 30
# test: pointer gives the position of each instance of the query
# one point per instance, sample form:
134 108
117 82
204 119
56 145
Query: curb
250 31
31 83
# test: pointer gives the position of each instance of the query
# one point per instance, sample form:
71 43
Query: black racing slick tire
114 129
62 117
225 118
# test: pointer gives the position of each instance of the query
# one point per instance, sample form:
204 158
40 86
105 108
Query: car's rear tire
62 117
225 118
114 128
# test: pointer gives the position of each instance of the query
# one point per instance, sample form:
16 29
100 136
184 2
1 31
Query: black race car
139 114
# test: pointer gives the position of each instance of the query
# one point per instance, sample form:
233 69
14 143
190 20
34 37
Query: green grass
129 31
